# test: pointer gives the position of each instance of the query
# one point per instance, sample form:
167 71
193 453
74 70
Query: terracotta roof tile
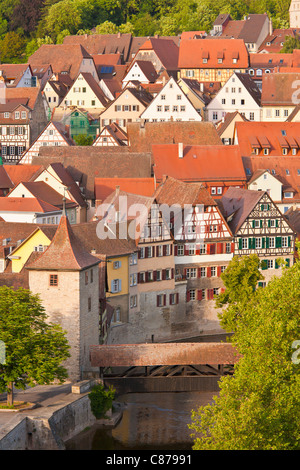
277 89
202 163
25 204
172 191
142 136
191 53
65 252
105 186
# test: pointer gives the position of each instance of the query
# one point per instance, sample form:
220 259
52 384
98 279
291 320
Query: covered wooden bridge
160 367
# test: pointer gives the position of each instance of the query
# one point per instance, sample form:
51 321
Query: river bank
156 421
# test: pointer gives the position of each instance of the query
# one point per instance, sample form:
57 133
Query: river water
156 421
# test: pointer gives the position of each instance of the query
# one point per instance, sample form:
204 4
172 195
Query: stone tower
67 280
294 12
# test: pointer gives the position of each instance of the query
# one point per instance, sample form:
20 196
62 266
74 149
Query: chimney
180 150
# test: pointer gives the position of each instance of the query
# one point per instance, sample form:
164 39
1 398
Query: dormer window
204 61
284 151
6 115
220 61
266 151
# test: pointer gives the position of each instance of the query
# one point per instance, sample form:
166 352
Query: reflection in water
157 421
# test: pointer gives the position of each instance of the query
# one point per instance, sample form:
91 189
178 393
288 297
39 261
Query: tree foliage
37 19
34 349
258 408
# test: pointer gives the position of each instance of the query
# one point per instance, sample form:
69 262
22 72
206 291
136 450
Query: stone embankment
57 417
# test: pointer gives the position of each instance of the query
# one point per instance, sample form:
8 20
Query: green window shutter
278 242
269 223
261 207
253 223
288 262
240 243
264 264
263 242
277 222
267 242
261 223
268 207
289 241
276 264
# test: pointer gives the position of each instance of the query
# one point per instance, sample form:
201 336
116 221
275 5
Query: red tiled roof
191 53
25 204
65 252
199 163
172 191
105 186
44 192
278 88
259 134
165 49
62 57
18 173
285 169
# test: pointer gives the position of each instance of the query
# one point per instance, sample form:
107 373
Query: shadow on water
157 421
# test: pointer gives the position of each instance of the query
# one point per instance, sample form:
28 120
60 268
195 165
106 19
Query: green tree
34 349
240 280
258 407
106 28
290 44
13 48
83 140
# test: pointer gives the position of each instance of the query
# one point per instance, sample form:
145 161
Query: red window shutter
153 251
220 248
146 276
154 275
157 301
163 274
208 248
139 254
212 249
232 247
171 249
219 271
199 272
139 278
165 297
188 296
222 290
172 273
208 271
186 251
164 250
210 294
199 294
175 250
177 298
157 250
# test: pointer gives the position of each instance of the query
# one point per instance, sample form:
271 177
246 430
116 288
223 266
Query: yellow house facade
38 241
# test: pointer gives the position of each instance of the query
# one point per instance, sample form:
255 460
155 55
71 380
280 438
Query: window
244 243
215 116
228 247
89 304
160 250
202 272
168 274
182 108
232 101
173 299
242 102
223 101
251 116
277 112
133 301
270 263
158 275
258 243
213 271
192 250
272 242
160 300
285 242
116 264
133 259
213 190
142 253
17 115
163 97
133 279
191 273
180 250
159 108
116 286
117 315
6 115
178 97
53 280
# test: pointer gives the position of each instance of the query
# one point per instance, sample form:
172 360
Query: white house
86 93
171 104
142 71
240 93
28 210
54 133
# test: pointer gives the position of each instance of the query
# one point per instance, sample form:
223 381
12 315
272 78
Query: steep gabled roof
25 204
239 203
105 186
165 49
62 57
65 252
172 191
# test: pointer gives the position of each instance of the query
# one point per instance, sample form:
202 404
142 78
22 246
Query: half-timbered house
203 247
259 227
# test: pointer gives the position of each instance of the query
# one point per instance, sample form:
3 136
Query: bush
101 400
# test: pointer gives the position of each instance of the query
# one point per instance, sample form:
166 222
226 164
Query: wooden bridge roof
151 354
